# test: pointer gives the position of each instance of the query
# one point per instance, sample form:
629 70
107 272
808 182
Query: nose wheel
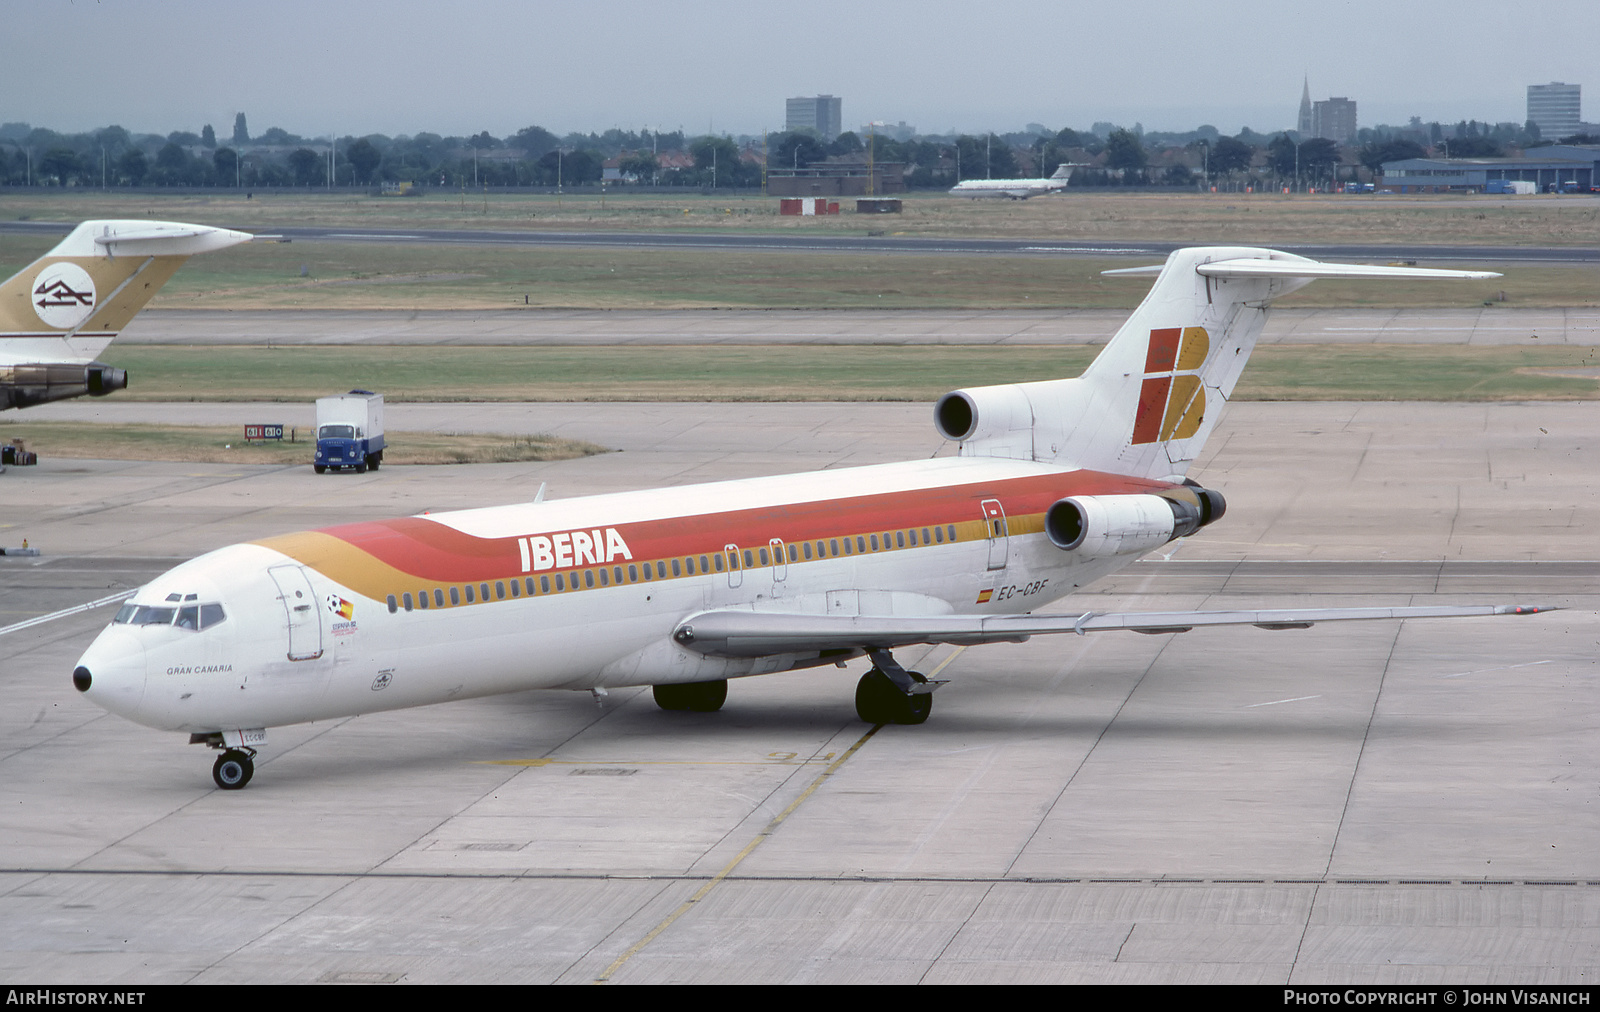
234 768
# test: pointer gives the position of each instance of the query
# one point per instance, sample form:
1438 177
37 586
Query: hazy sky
456 68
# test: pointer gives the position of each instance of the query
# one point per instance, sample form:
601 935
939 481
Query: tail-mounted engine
1099 525
25 385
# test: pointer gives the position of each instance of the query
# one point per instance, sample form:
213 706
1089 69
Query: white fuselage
580 593
1016 189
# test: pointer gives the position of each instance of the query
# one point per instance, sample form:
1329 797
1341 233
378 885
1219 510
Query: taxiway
1407 803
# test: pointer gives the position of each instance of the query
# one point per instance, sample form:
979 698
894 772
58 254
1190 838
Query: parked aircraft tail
61 311
1146 404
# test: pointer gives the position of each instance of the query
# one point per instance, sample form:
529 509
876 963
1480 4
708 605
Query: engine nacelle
25 385
1100 525
984 414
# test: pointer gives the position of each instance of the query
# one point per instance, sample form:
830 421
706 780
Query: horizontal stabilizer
758 633
141 237
1251 267
1299 267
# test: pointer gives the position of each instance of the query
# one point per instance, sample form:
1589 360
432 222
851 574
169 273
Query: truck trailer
349 431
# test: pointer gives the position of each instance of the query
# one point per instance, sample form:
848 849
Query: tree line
1106 155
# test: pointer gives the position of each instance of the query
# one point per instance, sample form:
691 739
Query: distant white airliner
60 312
1058 483
1016 189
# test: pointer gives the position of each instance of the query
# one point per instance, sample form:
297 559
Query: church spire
1305 109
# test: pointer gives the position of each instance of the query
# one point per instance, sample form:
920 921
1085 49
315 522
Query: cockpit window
190 616
337 432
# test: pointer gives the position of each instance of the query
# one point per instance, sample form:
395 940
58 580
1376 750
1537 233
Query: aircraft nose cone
111 671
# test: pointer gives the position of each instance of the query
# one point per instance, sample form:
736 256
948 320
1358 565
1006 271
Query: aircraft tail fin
1146 404
60 312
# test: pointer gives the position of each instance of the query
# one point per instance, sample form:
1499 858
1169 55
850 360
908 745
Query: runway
1405 803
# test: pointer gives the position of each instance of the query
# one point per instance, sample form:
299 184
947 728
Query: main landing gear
699 697
234 768
889 694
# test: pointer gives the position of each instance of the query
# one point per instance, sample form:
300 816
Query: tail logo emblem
1172 400
63 295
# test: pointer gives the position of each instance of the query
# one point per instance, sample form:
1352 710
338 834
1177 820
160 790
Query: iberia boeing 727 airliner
1057 484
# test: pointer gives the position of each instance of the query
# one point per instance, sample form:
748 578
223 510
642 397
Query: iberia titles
572 548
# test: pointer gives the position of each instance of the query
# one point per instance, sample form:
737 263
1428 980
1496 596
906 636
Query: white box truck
349 431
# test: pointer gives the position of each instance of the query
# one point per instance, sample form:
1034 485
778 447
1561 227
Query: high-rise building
1555 108
1334 119
820 113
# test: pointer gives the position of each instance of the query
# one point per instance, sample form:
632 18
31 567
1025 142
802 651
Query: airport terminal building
1552 169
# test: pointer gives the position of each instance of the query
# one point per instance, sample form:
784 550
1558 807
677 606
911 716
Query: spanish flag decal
984 596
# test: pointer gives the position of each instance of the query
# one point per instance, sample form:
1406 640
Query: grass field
1085 214
330 275
325 275
222 445
813 373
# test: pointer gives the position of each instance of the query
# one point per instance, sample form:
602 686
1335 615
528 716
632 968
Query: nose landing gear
237 763
889 694
234 768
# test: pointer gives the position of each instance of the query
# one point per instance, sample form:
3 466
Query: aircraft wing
730 633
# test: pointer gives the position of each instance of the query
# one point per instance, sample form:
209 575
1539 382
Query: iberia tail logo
1172 401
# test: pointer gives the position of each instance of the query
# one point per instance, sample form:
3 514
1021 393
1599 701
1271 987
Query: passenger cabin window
394 605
